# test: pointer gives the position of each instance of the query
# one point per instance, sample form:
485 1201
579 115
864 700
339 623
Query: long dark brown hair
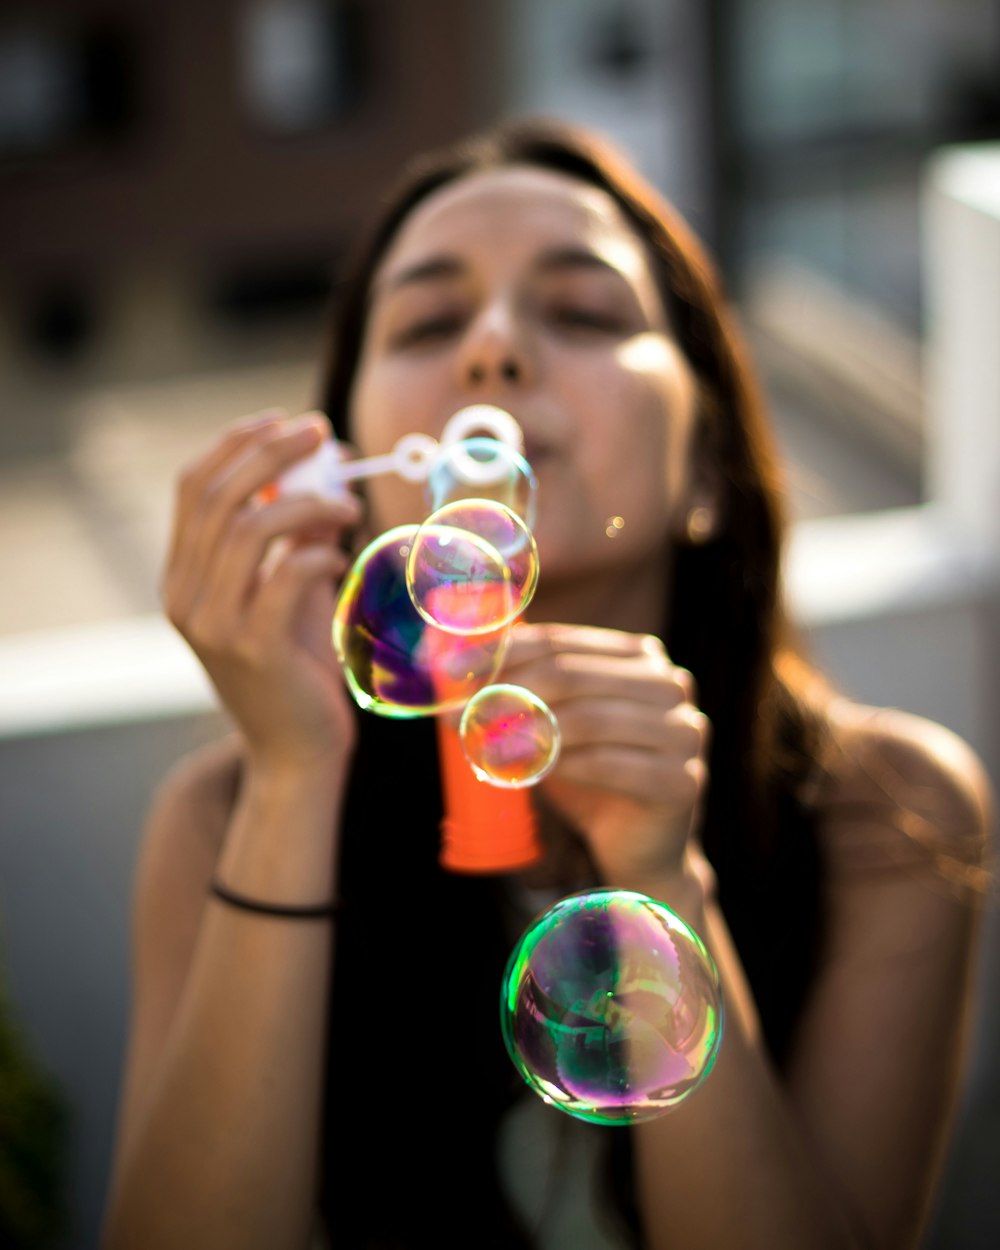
727 619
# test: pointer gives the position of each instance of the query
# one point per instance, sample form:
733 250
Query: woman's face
528 289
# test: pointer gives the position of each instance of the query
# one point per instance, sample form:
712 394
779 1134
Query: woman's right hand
252 588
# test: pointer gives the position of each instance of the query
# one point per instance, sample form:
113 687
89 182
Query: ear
699 512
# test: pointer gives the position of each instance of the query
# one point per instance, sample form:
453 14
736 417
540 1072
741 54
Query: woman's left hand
632 773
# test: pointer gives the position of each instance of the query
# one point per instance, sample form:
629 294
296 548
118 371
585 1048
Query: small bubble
509 736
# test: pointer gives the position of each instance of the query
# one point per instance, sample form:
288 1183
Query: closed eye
579 318
428 329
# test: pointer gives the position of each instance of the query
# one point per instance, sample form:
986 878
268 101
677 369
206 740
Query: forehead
519 207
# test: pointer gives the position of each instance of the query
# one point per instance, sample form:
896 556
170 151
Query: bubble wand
414 456
484 829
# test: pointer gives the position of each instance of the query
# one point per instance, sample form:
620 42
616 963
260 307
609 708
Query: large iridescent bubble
611 1007
472 566
396 663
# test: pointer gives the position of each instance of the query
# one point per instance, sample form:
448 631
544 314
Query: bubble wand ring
412 458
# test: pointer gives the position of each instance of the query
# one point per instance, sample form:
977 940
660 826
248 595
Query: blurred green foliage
34 1139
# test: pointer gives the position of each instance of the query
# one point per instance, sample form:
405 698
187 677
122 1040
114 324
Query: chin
561 570
565 551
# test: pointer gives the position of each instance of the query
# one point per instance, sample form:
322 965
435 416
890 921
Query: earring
699 525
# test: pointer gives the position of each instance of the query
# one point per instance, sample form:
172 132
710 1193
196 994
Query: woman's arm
729 1166
848 1152
840 1152
220 1110
879 1061
219 1117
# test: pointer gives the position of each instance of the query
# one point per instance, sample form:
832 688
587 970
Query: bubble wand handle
484 830
414 454
412 458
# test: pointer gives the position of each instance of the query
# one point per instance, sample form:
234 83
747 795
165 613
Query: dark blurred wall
237 138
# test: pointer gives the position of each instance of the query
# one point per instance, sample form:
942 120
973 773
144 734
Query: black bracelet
314 911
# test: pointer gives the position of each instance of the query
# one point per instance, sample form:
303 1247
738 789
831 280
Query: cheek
385 406
389 402
664 403
393 501
372 414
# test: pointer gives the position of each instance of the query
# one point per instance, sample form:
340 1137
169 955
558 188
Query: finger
676 734
539 649
203 516
192 567
194 475
300 569
572 675
634 774
228 573
258 462
241 558
531 642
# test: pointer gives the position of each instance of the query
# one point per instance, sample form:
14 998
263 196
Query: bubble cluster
509 735
611 1007
423 618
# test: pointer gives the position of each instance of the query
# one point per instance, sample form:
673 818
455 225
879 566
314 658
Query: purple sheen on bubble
611 1007
395 662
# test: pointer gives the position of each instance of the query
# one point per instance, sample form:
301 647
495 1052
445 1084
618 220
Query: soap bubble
509 736
458 581
483 468
611 1007
472 566
396 663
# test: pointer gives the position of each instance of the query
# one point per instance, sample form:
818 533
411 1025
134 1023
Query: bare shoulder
202 786
188 816
185 827
905 789
905 825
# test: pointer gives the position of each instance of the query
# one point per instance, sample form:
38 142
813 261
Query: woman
828 853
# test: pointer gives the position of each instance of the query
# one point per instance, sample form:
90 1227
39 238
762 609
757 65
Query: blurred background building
178 185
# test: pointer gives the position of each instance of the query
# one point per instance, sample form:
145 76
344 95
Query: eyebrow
446 265
441 266
560 258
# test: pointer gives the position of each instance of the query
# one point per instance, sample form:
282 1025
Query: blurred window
834 107
302 63
826 116
63 85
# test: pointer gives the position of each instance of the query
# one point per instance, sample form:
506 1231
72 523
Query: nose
509 370
495 351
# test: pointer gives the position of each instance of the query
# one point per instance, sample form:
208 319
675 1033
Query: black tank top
418 1078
